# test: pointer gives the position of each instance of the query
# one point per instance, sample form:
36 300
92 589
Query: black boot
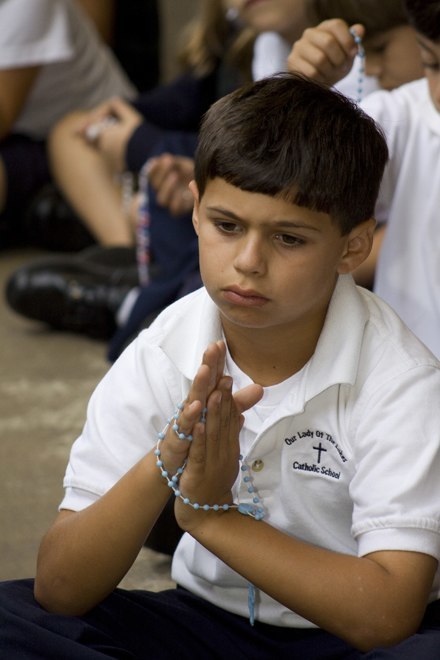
78 293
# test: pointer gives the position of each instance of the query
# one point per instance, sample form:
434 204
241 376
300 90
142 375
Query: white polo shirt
77 70
348 459
408 270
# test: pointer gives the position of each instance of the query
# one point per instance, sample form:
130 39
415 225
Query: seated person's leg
88 183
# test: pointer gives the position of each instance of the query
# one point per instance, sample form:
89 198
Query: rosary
361 57
253 509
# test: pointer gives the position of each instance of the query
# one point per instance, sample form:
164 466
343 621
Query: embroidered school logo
322 453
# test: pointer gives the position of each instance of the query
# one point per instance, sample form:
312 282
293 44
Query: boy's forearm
354 598
84 556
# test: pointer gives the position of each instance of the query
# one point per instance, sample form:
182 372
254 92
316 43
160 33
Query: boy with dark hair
304 457
406 269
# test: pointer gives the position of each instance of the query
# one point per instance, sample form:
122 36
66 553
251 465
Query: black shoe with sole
70 294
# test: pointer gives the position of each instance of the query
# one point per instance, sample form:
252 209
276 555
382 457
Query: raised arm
85 554
102 13
15 86
326 52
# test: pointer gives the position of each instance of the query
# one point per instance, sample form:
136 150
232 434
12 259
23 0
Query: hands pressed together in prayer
212 457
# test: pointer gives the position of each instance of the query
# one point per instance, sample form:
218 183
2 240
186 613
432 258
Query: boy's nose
250 258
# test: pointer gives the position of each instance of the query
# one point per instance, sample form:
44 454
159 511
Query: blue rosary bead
248 509
203 415
361 55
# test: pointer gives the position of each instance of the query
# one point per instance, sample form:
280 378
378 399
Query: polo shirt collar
337 353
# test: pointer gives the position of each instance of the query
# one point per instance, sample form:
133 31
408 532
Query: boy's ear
195 216
358 246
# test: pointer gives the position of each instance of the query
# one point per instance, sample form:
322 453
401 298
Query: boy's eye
226 226
289 240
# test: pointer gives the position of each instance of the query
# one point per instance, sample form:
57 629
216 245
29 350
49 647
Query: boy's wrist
172 460
199 523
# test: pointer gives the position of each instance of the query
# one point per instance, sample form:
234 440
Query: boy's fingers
359 29
198 445
341 34
248 397
167 187
322 56
160 168
315 65
208 375
214 358
188 417
200 384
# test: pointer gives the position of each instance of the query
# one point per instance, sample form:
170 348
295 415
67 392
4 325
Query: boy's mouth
244 297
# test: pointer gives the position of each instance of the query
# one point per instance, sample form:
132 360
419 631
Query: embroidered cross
319 449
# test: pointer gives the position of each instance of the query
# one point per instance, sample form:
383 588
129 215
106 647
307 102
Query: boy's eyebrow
288 224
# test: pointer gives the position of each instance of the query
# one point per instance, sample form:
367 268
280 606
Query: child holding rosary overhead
290 414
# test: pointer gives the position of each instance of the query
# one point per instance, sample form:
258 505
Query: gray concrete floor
46 379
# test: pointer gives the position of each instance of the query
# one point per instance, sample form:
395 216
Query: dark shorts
27 171
139 625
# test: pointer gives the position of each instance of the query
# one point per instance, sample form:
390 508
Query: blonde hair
211 37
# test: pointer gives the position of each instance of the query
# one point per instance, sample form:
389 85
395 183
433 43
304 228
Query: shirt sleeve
125 413
34 33
391 115
172 115
396 486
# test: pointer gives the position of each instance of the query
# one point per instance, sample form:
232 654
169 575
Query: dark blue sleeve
177 107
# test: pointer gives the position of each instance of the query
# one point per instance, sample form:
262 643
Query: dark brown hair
290 137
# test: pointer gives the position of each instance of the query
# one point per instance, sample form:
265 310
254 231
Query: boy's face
393 57
268 263
430 52
287 17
